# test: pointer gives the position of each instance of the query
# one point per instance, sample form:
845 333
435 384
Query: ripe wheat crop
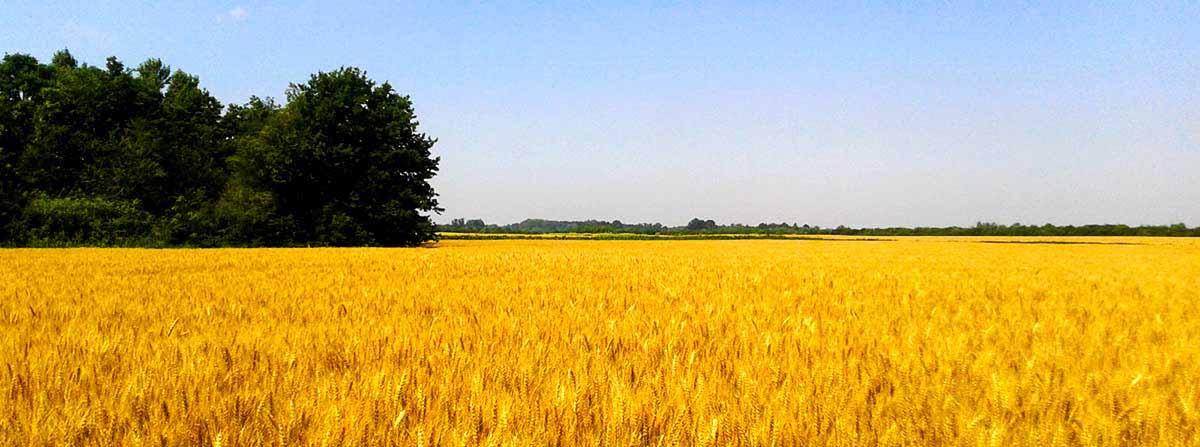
746 342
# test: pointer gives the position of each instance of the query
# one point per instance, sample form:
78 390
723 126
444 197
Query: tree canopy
145 156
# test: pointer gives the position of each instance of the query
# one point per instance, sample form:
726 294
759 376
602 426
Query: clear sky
865 114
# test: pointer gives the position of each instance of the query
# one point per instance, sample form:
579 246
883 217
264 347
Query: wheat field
521 342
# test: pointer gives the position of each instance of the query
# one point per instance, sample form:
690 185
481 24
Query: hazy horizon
868 116
445 221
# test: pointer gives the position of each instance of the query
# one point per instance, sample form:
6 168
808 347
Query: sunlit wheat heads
522 342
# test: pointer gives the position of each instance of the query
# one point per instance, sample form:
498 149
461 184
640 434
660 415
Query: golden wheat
750 342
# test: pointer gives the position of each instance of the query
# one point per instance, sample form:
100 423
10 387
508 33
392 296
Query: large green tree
113 155
343 164
22 81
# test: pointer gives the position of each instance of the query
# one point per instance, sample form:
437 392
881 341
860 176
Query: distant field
642 237
918 341
1065 240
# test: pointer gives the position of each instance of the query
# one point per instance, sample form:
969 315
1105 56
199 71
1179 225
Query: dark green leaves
109 155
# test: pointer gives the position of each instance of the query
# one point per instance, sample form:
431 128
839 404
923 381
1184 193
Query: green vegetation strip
1061 242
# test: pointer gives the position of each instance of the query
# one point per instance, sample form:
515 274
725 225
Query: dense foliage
145 156
701 226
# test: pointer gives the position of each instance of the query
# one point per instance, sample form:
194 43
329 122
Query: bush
84 221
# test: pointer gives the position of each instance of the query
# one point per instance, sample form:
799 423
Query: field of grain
525 342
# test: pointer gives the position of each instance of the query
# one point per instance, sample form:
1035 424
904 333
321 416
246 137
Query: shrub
84 221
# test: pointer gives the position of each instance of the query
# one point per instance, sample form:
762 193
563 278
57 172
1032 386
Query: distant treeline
146 157
701 226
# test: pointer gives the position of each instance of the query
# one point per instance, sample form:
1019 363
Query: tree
698 224
22 81
191 121
82 117
63 59
109 155
244 213
343 164
154 74
114 66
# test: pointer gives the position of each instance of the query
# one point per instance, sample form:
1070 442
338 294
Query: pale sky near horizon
864 114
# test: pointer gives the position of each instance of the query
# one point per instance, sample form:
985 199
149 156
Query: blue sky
865 114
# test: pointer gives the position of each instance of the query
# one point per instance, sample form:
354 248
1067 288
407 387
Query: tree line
709 226
144 156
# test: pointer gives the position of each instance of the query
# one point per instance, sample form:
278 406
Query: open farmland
514 342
